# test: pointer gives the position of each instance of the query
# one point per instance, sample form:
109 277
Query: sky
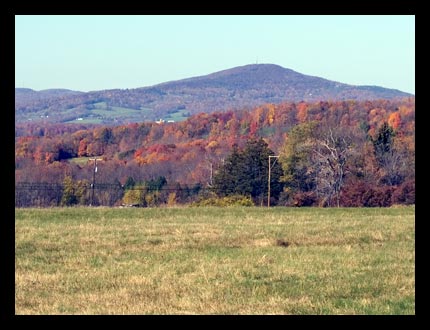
104 52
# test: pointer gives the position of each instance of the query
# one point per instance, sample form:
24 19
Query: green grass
179 115
215 261
101 114
79 160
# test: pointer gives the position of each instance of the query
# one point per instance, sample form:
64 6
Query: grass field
101 113
179 115
215 261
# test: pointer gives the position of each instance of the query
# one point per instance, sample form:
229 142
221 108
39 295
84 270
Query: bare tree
333 147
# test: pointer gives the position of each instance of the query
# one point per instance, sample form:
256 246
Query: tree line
330 154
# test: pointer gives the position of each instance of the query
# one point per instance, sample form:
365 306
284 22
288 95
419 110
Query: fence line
42 194
49 186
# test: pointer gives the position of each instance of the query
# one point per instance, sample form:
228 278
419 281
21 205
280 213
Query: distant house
161 121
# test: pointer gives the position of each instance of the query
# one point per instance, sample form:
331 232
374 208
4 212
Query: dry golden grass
215 261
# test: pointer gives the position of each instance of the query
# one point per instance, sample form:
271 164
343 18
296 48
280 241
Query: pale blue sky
102 52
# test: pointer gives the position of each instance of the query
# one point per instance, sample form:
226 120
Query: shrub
235 200
378 197
307 198
301 198
172 199
405 193
134 197
359 194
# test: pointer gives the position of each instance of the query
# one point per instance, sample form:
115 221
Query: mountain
30 94
47 92
239 87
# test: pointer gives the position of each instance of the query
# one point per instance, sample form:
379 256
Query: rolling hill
28 94
239 87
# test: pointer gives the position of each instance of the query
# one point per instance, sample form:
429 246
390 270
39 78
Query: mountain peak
243 86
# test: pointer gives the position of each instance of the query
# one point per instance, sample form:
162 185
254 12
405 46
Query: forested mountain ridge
28 94
236 88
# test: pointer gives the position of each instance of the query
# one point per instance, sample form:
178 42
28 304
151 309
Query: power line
108 186
94 178
50 194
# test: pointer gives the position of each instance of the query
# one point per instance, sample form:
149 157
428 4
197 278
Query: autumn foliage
376 172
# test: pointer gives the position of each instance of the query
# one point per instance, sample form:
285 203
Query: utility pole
94 178
212 173
268 183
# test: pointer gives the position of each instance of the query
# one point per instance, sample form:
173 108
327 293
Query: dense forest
340 153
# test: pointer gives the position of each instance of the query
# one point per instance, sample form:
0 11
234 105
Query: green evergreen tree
129 183
383 144
389 159
157 184
296 159
81 192
246 172
69 198
107 136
